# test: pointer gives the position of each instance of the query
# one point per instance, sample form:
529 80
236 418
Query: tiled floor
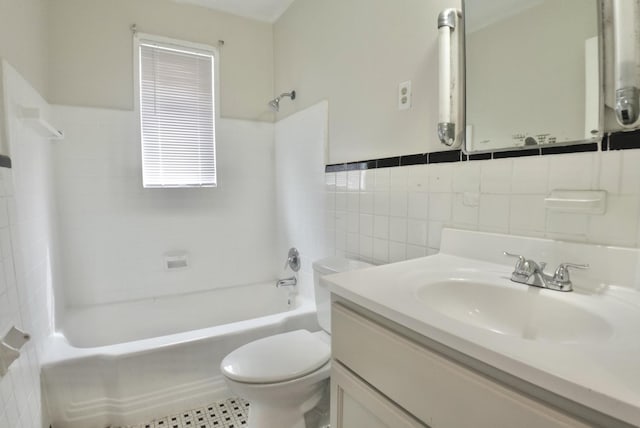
231 413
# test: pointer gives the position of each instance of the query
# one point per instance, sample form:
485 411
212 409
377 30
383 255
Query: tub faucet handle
293 260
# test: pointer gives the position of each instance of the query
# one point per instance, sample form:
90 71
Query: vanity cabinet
380 378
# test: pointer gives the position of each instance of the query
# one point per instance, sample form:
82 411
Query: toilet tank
328 266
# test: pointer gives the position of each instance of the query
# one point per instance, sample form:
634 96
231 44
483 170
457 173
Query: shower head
274 104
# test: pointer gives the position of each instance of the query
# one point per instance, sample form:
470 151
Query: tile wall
27 245
392 214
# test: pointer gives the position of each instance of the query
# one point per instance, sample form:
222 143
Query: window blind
177 117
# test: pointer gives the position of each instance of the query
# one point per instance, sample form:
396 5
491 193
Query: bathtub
126 363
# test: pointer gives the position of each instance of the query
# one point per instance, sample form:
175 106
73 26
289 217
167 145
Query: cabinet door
354 404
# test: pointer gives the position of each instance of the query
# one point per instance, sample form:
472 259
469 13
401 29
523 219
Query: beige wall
90 47
354 54
23 32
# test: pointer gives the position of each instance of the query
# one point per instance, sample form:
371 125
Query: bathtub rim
59 350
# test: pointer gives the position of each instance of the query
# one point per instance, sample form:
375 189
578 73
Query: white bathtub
126 363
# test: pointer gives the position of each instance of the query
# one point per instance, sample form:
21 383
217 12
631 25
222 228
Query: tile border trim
625 140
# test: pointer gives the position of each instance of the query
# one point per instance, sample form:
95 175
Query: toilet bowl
285 375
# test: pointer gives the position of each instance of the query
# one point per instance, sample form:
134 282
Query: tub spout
287 282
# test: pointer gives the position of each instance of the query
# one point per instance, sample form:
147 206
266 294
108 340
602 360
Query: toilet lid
276 358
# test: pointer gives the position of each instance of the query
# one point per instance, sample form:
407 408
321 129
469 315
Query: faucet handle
561 274
517 256
293 260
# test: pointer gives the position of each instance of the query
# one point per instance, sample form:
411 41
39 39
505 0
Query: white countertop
602 375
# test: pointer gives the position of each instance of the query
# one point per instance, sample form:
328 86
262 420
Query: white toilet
284 376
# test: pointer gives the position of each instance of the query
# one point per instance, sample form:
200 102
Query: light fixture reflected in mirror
450 37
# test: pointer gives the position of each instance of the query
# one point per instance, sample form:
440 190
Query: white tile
630 175
417 232
341 201
353 181
367 180
366 224
415 252
440 205
398 179
494 213
381 227
353 243
382 179
341 240
619 225
341 220
353 202
397 252
440 178
366 202
366 248
462 213
527 212
353 222
571 171
466 177
435 234
381 203
341 181
417 178
380 251
398 204
567 224
417 205
330 200
530 175
495 175
330 220
398 229
610 169
330 181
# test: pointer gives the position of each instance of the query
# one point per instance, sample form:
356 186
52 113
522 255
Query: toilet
285 375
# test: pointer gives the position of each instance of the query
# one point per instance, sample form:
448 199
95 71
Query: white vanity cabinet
380 378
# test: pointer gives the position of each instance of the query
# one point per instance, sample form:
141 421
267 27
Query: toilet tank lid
335 264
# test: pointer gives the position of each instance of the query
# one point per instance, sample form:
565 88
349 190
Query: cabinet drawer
437 391
355 404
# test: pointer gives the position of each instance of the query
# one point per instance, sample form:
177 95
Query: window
177 113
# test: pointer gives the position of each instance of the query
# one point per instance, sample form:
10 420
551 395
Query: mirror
532 73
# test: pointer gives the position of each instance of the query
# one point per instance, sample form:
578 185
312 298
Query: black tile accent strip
578 148
358 166
516 153
388 162
413 159
337 167
613 141
446 156
5 161
624 140
479 156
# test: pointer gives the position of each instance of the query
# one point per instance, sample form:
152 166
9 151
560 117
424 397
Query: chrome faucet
287 282
529 272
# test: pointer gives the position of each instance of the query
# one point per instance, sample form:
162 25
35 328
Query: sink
525 312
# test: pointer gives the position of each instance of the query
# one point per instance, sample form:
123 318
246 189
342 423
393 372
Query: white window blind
177 116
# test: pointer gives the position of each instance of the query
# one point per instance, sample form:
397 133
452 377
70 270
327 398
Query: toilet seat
277 358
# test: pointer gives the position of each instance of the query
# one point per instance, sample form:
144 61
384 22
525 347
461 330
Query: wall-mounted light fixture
450 38
625 14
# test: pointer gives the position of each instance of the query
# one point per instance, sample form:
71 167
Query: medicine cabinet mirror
533 73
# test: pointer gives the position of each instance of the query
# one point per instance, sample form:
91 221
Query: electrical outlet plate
404 95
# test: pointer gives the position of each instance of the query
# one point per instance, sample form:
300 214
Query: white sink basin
526 312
